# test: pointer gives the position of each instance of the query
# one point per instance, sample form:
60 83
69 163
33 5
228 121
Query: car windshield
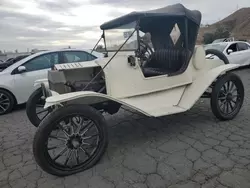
114 38
218 40
219 47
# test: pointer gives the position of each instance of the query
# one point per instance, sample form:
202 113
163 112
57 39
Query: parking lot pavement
187 150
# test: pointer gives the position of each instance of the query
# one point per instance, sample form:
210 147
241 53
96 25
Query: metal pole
97 43
109 61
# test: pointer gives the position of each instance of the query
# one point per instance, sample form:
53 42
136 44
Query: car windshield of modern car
221 47
218 40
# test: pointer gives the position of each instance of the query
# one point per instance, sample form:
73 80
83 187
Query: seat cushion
167 60
149 72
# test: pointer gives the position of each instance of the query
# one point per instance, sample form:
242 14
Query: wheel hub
74 142
4 102
229 97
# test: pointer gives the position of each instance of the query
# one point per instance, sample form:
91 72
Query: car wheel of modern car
77 144
7 102
34 107
219 54
227 96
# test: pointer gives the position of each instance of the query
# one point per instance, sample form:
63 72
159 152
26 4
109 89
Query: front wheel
69 140
227 96
34 107
7 102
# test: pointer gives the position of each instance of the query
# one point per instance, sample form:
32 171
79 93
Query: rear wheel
227 96
71 139
7 102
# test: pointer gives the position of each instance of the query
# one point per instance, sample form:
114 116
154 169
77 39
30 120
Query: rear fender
194 91
85 97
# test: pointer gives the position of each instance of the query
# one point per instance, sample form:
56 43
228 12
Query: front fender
85 97
194 91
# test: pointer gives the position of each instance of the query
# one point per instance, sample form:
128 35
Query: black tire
41 138
7 102
31 107
221 102
219 54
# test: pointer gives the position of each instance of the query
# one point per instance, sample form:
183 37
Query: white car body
179 92
21 85
240 55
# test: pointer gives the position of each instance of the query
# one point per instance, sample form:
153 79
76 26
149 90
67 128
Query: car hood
2 73
1 69
5 65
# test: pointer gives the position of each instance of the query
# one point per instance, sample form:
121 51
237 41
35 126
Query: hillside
238 24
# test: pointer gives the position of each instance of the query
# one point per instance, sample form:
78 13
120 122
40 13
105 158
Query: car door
232 53
244 52
248 53
36 68
240 54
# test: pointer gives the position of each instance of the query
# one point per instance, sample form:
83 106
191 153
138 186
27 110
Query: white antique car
161 76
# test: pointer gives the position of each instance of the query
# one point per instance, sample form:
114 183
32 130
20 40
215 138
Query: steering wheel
145 51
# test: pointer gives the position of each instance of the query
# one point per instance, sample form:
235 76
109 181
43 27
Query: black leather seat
165 61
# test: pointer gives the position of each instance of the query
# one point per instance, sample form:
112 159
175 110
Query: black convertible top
176 10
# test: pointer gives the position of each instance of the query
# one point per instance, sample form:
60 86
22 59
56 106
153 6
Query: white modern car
237 52
17 80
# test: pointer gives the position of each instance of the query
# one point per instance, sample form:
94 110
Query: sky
51 24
